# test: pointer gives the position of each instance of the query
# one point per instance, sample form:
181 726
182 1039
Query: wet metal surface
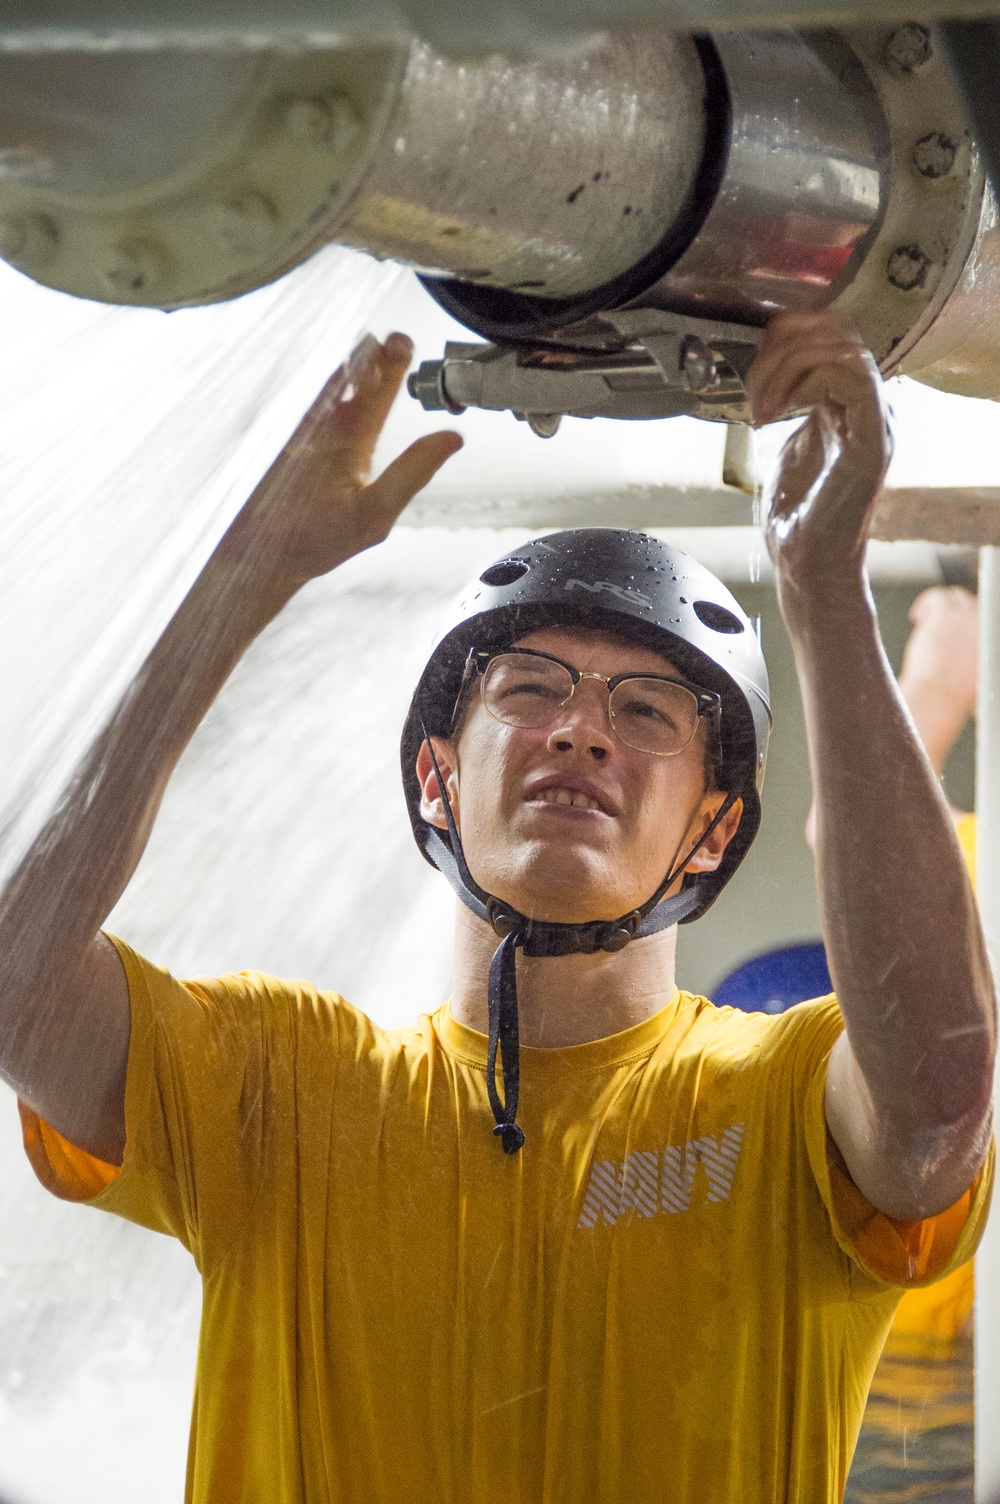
803 184
549 178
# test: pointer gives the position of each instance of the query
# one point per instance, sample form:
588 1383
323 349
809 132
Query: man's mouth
563 796
569 794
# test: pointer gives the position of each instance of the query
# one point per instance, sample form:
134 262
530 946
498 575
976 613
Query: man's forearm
939 675
81 862
900 921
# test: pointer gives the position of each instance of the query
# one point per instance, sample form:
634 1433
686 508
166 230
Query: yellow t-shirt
668 1294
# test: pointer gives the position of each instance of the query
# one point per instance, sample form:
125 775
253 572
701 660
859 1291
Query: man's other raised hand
317 505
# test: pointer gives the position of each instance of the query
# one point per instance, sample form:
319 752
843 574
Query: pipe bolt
908 267
330 121
134 267
909 48
247 224
27 241
935 156
698 365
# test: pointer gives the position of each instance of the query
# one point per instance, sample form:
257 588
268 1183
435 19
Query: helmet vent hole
717 617
505 573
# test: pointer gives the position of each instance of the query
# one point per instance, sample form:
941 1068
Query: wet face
566 822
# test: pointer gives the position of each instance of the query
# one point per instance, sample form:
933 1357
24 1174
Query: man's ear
431 805
708 857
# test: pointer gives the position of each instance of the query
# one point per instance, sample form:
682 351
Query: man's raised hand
822 493
317 505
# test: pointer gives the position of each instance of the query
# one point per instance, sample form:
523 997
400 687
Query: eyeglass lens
651 715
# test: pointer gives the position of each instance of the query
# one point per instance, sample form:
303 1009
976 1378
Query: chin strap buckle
504 923
619 932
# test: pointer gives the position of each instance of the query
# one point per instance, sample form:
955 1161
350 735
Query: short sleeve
211 1065
891 1252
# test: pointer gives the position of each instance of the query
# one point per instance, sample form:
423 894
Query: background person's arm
64 1007
909 1086
939 674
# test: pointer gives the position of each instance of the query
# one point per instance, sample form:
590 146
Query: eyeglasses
649 712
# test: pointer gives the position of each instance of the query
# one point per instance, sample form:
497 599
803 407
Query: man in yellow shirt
577 1235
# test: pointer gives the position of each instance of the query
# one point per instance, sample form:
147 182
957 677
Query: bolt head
698 365
909 48
134 267
308 118
246 224
935 156
330 121
28 240
908 268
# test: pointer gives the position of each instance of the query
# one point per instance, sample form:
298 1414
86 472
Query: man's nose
585 723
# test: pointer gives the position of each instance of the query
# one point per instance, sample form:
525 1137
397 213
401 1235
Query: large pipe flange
167 179
934 195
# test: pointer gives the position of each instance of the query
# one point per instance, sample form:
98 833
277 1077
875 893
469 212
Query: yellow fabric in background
965 829
667 1293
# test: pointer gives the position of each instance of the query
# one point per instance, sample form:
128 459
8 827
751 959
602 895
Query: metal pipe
516 26
655 174
988 882
173 177
805 182
548 178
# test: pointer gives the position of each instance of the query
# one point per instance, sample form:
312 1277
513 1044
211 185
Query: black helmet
637 587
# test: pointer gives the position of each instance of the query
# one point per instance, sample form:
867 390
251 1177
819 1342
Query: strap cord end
511 1135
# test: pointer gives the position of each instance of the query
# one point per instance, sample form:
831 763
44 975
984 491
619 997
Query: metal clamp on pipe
663 368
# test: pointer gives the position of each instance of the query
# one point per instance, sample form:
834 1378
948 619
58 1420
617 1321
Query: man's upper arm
80 1057
902 1179
893 1249
214 1103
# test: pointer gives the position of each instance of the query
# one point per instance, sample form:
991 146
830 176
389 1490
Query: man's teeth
563 796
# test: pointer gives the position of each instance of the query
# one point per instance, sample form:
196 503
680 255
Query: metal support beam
939 514
964 515
988 878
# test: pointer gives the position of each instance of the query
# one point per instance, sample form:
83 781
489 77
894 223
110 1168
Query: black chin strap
538 937
502 1003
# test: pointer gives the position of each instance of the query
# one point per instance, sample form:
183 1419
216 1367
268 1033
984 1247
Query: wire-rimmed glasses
655 713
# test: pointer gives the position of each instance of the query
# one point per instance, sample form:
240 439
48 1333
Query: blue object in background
777 980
